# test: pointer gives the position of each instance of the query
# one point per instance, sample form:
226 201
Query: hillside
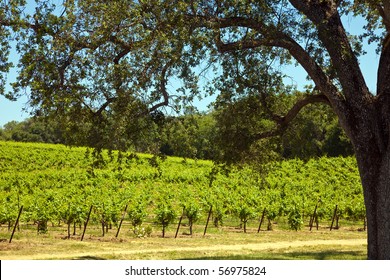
57 183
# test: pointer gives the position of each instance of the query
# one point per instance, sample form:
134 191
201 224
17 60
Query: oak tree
92 62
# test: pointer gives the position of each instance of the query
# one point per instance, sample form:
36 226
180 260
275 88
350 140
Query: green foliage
137 214
189 135
181 135
101 72
8 211
97 68
245 213
218 216
32 130
226 134
237 124
74 213
315 132
141 232
53 184
165 215
295 218
193 213
155 162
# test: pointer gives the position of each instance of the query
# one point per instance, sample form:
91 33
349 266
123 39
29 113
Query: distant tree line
227 133
32 130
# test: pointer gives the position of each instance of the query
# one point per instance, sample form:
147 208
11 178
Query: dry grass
228 243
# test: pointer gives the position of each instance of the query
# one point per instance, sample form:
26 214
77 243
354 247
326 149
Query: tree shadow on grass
324 255
88 258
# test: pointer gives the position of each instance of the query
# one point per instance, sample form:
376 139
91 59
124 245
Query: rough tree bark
373 157
365 117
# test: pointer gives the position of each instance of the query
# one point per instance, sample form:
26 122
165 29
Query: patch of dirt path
215 248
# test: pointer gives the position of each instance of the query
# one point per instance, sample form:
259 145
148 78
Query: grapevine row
56 184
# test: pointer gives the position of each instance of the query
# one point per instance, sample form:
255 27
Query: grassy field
57 185
224 243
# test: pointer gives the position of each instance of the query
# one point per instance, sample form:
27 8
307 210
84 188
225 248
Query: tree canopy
92 63
88 60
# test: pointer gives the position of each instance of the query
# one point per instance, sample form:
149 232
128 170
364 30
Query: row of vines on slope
57 184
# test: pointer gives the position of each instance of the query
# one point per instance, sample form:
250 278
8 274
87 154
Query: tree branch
163 89
272 37
282 40
324 15
105 105
384 12
310 99
283 122
383 83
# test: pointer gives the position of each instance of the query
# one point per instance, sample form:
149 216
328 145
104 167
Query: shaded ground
306 249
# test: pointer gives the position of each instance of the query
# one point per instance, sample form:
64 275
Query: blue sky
14 110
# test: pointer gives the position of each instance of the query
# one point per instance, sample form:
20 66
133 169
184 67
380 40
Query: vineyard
74 188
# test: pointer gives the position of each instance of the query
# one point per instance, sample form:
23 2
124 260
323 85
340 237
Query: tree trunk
69 230
269 227
365 117
374 170
369 126
163 231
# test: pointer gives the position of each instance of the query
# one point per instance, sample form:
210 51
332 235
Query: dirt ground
123 251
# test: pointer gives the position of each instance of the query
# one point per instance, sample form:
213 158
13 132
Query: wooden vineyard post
208 219
86 222
16 224
181 218
365 223
261 220
68 230
334 217
103 222
103 226
313 217
120 223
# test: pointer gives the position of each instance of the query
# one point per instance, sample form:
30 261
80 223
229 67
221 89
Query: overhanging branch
272 37
310 99
283 122
163 88
384 12
105 105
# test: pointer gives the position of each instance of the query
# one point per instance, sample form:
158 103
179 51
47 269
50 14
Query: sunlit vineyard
58 185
